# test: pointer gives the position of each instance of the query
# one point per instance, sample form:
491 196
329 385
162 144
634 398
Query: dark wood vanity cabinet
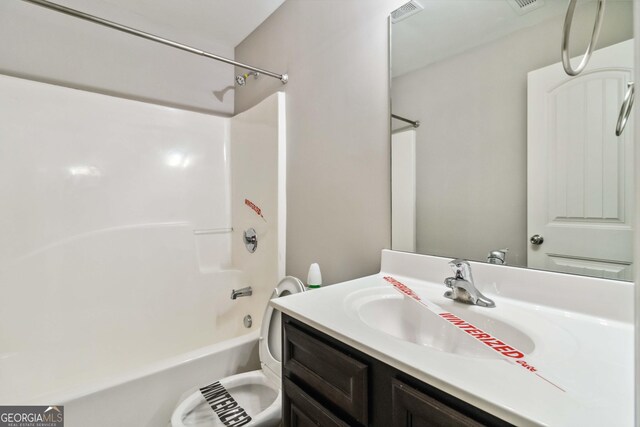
328 383
411 407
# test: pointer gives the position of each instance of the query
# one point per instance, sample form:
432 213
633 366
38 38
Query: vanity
361 353
329 383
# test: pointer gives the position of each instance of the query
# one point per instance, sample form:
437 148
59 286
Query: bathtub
135 391
123 350
147 397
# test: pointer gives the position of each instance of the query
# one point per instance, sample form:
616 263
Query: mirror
511 152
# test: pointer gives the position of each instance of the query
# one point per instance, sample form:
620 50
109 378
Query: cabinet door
412 408
304 411
337 379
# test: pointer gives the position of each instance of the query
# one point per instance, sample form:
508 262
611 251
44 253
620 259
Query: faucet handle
462 269
458 262
449 282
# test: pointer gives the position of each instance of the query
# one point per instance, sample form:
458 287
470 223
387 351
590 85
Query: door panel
580 174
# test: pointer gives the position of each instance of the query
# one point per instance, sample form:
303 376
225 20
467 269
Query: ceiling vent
525 6
408 9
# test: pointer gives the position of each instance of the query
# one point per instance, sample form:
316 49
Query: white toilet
250 399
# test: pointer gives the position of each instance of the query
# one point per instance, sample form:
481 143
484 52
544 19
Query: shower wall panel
258 195
114 236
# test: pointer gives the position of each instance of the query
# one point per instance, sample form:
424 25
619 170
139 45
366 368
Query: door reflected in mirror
514 161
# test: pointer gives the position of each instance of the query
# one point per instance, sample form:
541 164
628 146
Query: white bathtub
146 398
129 345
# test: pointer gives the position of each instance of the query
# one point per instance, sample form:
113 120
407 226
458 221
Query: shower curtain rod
284 78
415 123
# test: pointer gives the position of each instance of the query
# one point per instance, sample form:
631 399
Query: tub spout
244 292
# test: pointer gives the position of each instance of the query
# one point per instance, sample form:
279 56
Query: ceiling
449 27
206 24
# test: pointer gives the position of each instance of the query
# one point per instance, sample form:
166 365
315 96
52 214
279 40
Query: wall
47 46
336 54
472 145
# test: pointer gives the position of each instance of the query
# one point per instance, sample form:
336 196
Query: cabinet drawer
412 408
305 411
331 374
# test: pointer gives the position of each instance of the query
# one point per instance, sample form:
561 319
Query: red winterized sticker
254 208
510 353
485 338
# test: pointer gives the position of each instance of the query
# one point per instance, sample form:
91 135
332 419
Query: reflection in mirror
514 162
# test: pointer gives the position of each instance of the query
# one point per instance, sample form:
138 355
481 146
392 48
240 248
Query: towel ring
566 32
625 110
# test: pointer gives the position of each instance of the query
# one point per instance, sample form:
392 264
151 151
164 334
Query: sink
403 318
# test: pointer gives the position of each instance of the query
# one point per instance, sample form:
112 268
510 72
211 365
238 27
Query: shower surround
122 240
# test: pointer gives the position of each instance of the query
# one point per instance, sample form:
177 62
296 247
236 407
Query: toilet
249 399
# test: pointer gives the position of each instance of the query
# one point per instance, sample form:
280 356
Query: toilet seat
270 342
257 392
260 398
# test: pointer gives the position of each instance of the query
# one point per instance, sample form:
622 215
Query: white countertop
589 356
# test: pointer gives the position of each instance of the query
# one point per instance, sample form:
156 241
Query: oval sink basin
407 320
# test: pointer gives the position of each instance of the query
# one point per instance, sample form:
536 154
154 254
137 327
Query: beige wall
335 51
472 145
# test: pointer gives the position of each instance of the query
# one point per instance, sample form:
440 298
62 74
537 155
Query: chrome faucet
244 292
462 287
498 256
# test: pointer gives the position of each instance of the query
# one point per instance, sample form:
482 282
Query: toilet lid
270 347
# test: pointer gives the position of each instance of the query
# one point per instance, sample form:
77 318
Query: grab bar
625 110
566 32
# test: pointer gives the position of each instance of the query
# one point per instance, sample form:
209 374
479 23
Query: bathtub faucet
244 292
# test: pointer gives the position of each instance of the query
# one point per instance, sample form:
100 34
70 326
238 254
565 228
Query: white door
580 174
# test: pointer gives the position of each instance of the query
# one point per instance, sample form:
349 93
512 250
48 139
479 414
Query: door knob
536 239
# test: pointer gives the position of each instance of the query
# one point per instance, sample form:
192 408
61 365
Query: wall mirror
511 152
